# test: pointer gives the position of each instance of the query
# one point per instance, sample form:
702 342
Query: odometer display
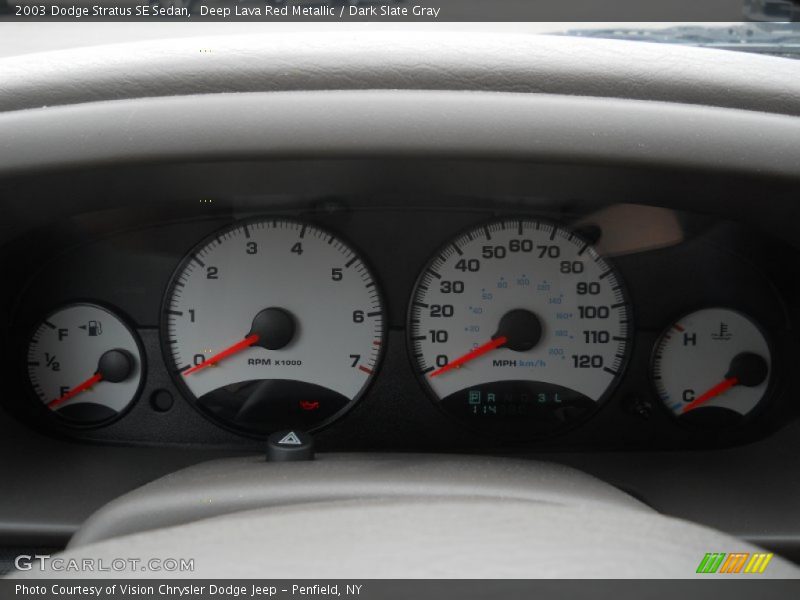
519 327
273 324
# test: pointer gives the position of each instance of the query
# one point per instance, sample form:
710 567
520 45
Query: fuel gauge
712 367
84 364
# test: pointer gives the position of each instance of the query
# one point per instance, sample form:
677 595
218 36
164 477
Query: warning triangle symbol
290 439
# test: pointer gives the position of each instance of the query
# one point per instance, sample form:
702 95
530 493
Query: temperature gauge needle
96 378
250 340
747 369
715 391
472 355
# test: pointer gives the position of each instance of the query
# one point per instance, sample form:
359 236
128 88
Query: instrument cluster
610 325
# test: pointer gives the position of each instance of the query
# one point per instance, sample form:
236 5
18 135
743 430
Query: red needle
715 391
479 351
53 404
237 347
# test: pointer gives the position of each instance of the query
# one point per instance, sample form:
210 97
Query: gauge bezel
747 419
52 416
514 439
188 396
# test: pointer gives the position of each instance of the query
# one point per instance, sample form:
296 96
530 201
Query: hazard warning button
284 446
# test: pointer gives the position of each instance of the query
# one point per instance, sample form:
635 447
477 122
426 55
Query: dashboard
491 247
469 323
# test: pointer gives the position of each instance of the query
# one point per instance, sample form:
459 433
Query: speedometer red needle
96 378
715 391
237 347
472 355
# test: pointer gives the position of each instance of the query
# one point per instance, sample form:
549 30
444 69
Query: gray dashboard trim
429 536
374 123
405 59
236 484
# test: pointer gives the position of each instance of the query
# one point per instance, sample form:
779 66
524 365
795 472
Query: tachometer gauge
273 324
84 364
519 327
712 367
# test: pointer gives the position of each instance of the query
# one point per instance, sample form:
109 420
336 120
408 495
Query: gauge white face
519 322
84 363
273 324
712 358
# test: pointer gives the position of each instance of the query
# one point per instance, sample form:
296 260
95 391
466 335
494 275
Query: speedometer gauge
273 324
519 327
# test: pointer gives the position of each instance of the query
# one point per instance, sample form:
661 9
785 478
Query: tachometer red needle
715 391
472 355
237 347
96 378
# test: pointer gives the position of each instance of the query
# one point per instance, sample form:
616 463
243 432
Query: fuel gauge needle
114 366
96 378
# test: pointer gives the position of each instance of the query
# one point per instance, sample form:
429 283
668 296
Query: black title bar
402 10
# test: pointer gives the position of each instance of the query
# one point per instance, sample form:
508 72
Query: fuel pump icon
95 328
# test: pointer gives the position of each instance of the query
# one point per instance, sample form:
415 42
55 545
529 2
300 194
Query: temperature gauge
712 367
84 364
